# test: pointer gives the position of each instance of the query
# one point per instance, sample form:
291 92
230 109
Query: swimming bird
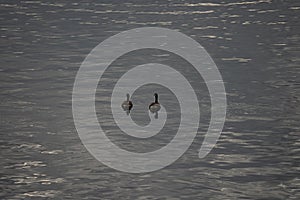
154 107
127 105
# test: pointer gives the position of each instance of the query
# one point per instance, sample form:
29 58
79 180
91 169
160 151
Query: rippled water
255 44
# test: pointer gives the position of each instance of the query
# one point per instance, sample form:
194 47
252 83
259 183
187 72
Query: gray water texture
254 43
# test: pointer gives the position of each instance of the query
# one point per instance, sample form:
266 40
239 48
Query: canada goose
127 105
154 107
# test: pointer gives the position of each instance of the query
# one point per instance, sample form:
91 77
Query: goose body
154 106
127 105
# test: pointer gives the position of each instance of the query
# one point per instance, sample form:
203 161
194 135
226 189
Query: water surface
254 43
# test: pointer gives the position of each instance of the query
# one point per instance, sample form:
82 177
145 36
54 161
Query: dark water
256 47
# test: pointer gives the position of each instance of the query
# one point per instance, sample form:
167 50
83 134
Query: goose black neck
156 98
127 97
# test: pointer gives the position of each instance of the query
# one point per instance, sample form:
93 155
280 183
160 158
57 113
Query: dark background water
255 44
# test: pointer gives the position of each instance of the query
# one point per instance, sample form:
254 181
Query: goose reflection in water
154 107
127 105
